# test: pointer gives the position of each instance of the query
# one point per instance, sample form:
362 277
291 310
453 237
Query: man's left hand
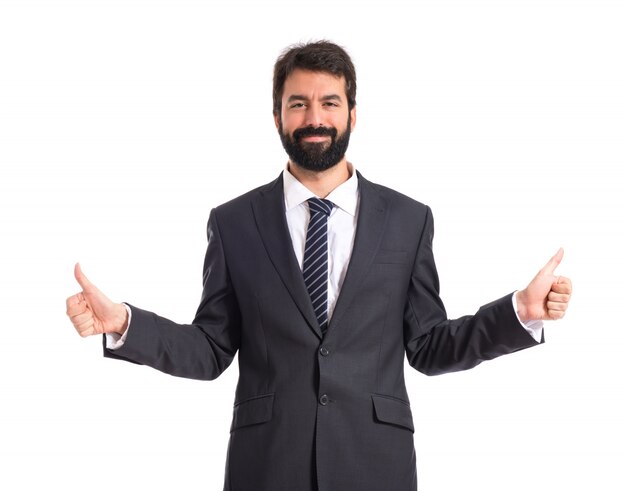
547 296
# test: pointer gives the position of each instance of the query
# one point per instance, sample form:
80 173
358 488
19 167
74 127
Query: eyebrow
298 97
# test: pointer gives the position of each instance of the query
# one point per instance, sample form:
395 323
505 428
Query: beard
315 156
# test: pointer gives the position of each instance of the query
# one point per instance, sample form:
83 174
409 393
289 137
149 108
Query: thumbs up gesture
547 296
92 312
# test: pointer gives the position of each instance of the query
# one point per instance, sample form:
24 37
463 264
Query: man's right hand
92 312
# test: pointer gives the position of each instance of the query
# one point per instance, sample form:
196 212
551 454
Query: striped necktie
315 262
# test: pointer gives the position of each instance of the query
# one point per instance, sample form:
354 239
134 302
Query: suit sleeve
435 344
202 349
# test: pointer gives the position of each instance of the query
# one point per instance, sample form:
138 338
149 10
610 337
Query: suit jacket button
323 399
324 351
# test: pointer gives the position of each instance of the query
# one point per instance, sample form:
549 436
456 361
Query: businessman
323 282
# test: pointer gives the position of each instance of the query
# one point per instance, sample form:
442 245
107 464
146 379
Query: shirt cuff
534 328
115 341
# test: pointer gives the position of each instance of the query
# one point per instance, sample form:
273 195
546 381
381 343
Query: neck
324 182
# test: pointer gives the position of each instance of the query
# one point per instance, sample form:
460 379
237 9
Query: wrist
522 310
122 313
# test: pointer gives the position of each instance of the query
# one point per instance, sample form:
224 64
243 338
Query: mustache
312 131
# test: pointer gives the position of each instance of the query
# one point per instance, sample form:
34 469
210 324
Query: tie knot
317 205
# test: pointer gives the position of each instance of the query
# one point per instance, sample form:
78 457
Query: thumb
81 278
553 262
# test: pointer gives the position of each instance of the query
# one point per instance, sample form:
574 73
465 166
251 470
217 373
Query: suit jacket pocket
386 256
252 411
392 410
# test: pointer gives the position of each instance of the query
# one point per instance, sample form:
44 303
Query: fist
547 296
91 312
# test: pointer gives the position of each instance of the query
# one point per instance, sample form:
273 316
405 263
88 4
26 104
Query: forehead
311 84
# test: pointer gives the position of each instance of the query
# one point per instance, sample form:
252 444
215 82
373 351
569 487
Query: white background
122 123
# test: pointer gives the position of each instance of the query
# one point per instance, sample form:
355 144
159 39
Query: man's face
315 123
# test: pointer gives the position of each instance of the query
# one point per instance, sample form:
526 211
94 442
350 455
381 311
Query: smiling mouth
315 138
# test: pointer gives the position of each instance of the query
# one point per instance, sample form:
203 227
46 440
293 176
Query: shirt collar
344 196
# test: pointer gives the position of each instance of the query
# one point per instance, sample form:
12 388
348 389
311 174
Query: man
322 281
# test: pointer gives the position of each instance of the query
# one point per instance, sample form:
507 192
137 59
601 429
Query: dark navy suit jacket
313 412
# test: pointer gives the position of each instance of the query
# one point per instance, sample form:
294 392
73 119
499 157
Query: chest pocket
390 257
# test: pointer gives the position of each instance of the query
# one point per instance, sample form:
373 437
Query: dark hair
317 56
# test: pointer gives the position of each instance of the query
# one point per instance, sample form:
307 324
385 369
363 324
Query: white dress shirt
341 227
341 232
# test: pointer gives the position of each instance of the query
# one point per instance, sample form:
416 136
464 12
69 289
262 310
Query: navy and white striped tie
315 262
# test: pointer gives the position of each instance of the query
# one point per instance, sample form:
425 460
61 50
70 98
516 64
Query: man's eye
331 104
296 105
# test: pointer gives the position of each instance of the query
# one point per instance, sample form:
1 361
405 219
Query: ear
277 120
352 118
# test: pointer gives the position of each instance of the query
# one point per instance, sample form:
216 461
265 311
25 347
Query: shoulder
242 204
394 199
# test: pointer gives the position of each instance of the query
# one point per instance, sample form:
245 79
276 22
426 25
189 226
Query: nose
313 116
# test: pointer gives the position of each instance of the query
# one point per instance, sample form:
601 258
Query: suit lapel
369 233
269 213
